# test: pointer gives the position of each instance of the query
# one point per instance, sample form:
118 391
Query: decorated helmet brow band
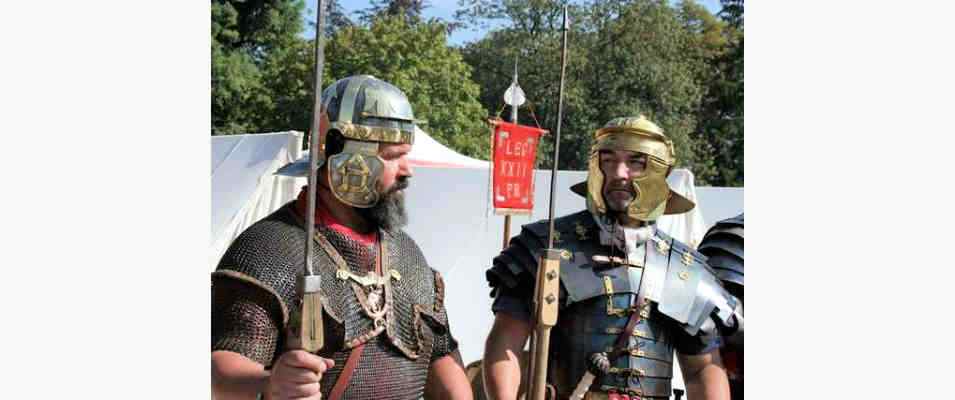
373 133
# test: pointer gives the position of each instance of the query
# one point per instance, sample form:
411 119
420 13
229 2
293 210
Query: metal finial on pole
514 106
514 97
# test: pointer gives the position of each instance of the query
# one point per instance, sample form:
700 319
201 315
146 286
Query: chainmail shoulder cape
254 291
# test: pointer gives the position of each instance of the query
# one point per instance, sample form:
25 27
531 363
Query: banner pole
507 218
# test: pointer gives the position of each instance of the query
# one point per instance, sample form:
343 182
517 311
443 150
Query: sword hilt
311 330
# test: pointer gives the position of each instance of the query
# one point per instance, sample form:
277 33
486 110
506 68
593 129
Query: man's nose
620 171
404 167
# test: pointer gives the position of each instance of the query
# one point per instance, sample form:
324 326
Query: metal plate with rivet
581 231
687 258
662 245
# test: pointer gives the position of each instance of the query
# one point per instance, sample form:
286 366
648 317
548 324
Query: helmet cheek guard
354 173
652 192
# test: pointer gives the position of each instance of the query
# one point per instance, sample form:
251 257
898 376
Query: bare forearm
502 374
236 377
502 380
710 383
447 379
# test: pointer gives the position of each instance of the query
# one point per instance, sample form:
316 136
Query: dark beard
389 213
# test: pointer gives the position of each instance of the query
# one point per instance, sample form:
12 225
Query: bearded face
389 213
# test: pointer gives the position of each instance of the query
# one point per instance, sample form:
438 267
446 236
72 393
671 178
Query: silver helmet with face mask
366 112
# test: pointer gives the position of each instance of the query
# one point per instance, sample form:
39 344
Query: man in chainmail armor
385 326
630 295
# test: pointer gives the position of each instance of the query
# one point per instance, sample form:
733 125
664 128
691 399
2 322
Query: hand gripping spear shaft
310 331
547 289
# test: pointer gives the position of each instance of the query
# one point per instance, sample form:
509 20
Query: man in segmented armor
385 326
630 295
723 247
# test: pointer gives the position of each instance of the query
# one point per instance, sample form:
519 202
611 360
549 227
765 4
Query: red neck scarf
325 218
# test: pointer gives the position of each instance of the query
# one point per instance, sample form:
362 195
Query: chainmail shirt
253 291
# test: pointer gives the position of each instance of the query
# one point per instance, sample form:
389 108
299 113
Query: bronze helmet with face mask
653 196
366 112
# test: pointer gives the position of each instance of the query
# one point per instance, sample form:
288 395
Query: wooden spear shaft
547 288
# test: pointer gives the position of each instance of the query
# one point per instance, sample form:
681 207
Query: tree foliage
249 38
263 70
410 10
676 62
625 57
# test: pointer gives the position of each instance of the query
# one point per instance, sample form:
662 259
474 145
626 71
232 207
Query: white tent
427 152
244 187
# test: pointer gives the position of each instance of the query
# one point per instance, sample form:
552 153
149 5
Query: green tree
248 39
335 18
721 114
625 58
263 74
409 9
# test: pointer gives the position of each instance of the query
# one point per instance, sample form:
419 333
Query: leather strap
342 382
352 362
620 345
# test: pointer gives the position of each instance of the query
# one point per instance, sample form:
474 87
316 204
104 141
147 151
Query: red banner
514 152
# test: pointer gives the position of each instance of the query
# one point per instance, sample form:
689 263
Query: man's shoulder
723 246
681 250
402 245
571 223
274 242
401 238
276 229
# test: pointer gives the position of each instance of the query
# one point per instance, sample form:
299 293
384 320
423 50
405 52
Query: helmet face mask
651 191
